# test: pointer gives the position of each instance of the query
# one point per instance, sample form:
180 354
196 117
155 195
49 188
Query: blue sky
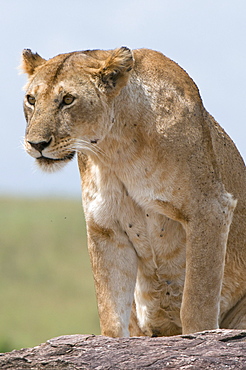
207 38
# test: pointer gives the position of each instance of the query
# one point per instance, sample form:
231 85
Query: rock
218 349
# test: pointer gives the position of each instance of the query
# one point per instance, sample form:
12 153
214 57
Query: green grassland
46 284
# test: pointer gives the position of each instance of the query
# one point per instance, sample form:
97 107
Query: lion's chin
53 165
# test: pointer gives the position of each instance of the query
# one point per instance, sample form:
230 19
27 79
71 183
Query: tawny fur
163 186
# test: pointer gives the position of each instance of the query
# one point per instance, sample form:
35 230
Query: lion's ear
30 61
113 73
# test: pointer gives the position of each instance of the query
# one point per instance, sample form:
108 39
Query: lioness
162 183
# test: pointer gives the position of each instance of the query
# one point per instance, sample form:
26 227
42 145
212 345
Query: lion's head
68 102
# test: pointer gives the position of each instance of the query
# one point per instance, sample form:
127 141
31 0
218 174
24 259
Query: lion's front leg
114 264
205 257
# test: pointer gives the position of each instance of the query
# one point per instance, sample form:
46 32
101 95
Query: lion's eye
68 99
31 100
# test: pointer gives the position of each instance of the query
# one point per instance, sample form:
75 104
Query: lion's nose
40 146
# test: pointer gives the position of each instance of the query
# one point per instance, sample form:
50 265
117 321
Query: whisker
22 144
80 144
91 149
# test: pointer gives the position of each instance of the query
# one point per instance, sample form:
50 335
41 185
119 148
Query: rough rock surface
219 349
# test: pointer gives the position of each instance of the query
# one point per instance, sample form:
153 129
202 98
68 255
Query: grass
46 284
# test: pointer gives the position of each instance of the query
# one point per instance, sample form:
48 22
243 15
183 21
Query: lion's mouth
48 161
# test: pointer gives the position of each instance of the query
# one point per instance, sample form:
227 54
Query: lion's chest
159 243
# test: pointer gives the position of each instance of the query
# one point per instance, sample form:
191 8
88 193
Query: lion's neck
131 131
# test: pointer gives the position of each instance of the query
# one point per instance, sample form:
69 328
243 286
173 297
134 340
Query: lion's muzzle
49 157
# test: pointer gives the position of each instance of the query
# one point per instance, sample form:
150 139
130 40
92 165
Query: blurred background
46 286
